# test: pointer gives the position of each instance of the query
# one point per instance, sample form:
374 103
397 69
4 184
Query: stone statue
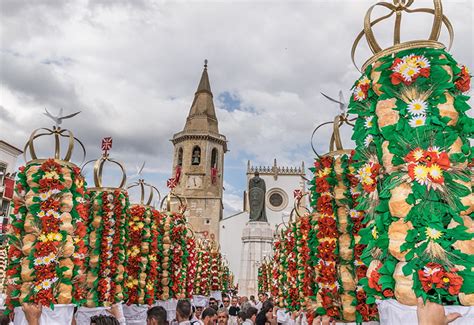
257 191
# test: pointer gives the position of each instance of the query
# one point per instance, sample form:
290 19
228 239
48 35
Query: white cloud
132 68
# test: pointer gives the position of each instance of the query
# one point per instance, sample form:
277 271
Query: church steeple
198 164
202 115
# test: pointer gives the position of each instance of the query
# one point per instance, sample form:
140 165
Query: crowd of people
231 311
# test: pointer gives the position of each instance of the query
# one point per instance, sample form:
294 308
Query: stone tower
198 163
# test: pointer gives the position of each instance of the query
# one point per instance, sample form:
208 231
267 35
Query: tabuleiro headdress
398 8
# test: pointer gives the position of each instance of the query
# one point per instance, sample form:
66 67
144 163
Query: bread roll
342 218
344 243
27 273
397 233
447 109
68 263
387 157
465 246
404 286
375 76
386 114
65 293
466 299
28 242
348 311
68 247
30 225
347 279
66 202
397 204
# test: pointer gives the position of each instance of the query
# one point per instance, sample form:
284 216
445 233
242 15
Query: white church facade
281 182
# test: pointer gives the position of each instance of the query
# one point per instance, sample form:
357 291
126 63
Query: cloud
132 68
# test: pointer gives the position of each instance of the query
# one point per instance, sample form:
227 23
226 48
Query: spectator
245 303
252 300
251 316
183 312
226 302
241 317
222 316
198 312
157 316
266 316
102 320
4 319
209 316
212 301
234 307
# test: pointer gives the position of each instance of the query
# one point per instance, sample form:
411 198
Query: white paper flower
368 140
368 122
417 107
417 121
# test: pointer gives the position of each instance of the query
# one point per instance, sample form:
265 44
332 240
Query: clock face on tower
194 182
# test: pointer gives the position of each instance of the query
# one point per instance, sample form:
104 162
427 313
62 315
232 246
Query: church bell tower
198 164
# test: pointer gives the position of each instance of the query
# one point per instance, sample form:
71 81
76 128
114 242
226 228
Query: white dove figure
341 102
59 118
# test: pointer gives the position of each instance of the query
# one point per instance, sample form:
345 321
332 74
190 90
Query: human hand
32 313
433 314
115 311
295 314
324 320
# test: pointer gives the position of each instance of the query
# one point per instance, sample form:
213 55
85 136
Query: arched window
196 157
180 157
214 158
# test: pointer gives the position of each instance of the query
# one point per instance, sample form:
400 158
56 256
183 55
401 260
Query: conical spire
202 115
204 85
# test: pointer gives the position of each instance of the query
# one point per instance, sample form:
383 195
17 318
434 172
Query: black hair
4 319
104 320
242 315
159 314
251 311
262 315
267 305
208 312
183 308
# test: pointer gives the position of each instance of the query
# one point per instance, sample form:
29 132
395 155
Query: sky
132 66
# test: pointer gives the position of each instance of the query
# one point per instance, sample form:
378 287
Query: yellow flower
51 175
42 238
417 107
433 233
140 225
46 284
435 172
421 174
38 261
47 259
374 233
364 81
417 120
445 279
418 154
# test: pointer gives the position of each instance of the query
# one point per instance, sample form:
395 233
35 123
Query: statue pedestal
257 239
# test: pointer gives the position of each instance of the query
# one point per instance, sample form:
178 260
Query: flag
106 144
